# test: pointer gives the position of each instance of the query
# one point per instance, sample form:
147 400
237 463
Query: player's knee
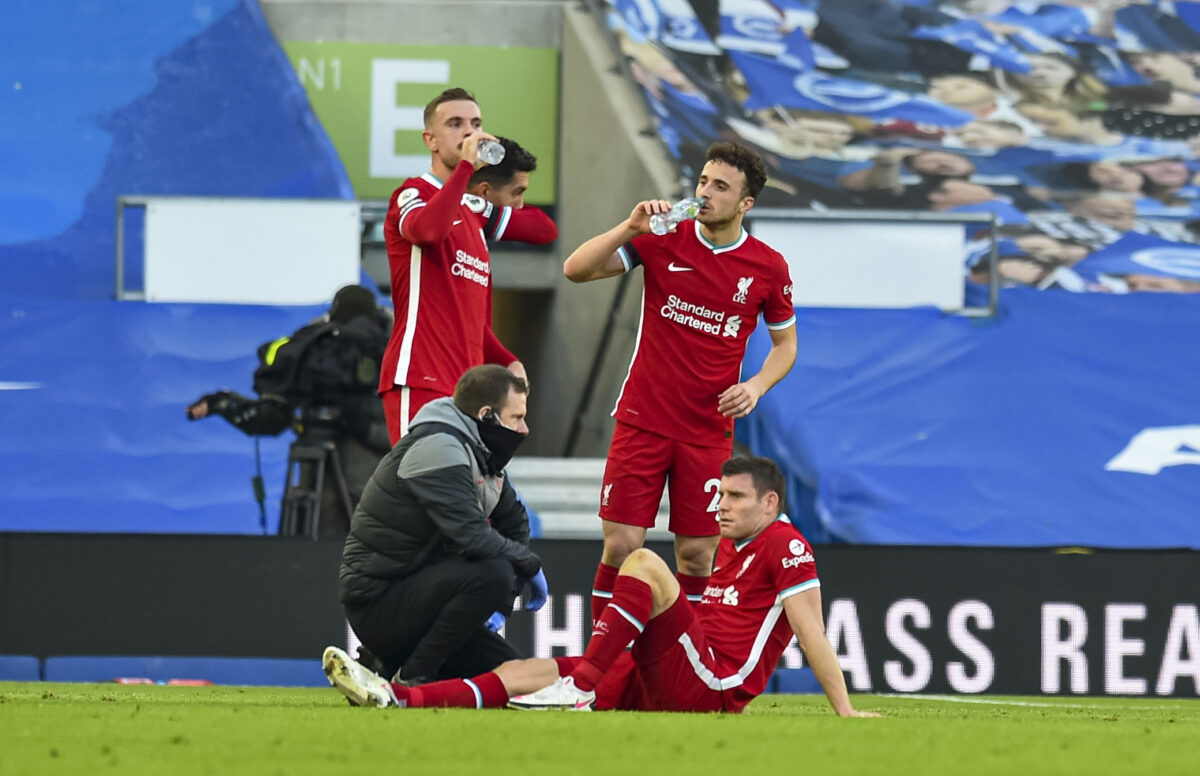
695 566
614 556
645 564
619 545
695 558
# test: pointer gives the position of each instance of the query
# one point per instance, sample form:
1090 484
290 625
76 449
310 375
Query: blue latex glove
539 591
495 622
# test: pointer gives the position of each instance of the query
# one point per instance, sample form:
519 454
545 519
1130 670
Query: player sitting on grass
715 656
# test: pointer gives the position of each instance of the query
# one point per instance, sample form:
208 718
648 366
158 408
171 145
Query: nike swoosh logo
456 223
672 266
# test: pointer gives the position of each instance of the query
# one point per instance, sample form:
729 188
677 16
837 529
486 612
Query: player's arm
529 224
803 611
426 223
597 258
736 401
494 352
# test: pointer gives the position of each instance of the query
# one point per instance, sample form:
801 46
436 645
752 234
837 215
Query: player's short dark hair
450 95
516 159
739 156
763 472
486 386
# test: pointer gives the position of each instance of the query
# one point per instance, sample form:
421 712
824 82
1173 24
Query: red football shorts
640 464
664 671
400 405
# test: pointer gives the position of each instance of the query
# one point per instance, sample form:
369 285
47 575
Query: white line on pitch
997 702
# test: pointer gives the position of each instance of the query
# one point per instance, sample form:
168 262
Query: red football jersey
742 608
441 279
700 304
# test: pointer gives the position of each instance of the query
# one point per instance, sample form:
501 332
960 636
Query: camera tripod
309 458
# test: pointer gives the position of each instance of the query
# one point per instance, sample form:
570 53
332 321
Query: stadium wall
607 162
902 619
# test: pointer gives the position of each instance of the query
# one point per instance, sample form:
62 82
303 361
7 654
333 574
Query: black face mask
500 441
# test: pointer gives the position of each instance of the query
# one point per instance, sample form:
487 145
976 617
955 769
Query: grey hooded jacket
430 498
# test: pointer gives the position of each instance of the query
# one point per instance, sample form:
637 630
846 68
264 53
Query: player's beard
715 225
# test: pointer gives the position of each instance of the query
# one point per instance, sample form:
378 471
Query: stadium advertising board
902 619
966 620
371 97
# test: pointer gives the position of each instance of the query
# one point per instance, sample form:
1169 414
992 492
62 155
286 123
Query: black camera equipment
309 458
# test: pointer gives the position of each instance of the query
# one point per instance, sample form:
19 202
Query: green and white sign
371 97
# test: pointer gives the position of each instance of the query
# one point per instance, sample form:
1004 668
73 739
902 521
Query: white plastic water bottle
661 223
491 152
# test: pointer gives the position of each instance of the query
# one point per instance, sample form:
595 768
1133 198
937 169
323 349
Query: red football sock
623 619
602 588
691 587
566 664
485 691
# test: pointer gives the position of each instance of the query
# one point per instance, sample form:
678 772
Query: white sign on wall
249 251
868 263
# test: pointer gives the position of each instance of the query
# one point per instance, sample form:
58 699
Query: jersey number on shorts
713 486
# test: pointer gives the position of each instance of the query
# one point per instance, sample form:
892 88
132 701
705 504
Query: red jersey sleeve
793 568
778 310
494 351
528 225
640 250
425 222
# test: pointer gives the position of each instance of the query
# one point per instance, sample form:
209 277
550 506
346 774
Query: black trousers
431 625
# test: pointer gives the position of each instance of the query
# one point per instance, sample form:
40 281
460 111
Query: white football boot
562 695
360 685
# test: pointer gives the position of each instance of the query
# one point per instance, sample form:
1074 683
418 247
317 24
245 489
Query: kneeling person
714 656
439 541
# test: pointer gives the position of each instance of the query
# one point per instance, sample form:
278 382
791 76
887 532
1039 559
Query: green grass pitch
50 728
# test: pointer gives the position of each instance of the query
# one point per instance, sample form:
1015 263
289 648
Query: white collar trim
718 249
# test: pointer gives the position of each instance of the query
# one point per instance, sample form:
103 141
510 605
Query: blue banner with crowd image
1075 125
